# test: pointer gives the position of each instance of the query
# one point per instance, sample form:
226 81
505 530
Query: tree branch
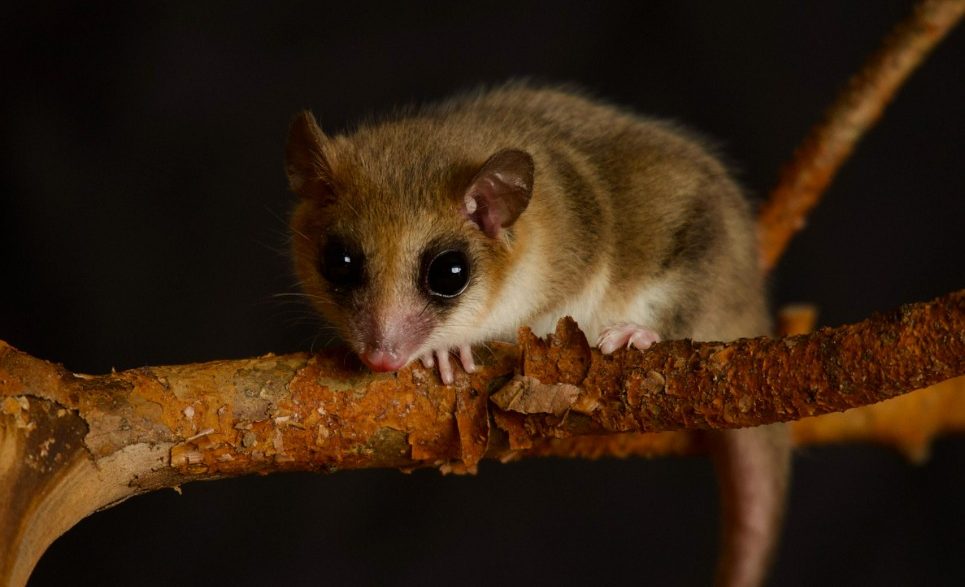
749 382
830 142
71 444
906 423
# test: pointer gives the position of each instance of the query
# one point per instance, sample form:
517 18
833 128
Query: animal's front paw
445 367
625 334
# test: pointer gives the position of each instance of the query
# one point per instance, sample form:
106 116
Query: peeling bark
71 444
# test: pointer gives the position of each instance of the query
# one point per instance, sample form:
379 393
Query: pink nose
379 360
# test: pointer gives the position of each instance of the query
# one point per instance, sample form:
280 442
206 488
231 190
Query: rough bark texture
682 384
71 444
908 423
830 142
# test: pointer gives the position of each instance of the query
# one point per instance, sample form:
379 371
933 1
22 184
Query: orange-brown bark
829 143
791 320
744 383
70 444
908 423
300 411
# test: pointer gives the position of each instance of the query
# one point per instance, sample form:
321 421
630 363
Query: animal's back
667 237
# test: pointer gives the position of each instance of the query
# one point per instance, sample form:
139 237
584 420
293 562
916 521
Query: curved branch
71 444
829 143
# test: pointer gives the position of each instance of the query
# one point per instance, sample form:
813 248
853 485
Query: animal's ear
500 191
309 173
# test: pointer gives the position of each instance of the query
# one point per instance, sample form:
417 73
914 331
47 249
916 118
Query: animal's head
401 235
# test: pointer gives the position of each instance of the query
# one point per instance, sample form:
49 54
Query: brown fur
630 219
680 217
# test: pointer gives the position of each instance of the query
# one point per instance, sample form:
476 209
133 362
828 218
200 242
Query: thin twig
828 145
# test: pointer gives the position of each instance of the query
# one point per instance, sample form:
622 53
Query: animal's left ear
308 169
500 191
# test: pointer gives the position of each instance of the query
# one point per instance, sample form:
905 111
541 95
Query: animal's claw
442 358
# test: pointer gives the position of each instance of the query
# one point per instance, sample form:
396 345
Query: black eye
447 274
341 264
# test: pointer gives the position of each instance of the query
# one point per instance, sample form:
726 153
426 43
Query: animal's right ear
309 172
500 191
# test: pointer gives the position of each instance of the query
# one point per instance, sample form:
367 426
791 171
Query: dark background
143 222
